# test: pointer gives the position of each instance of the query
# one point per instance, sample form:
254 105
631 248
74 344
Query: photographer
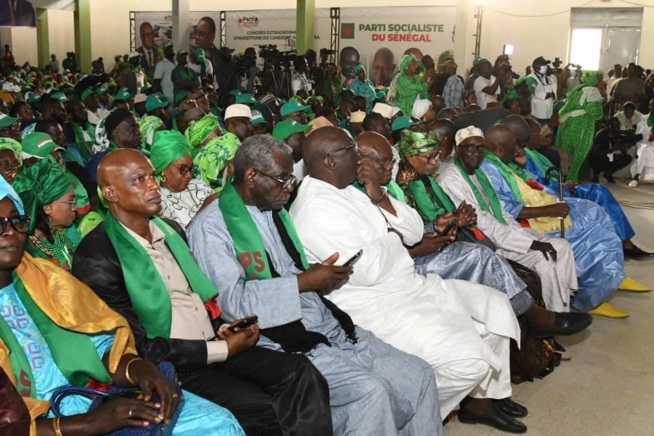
248 70
543 92
299 81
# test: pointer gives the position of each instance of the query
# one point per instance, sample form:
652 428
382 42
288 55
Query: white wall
61 29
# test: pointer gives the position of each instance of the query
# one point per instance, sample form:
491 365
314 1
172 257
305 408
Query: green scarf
60 342
495 205
431 206
392 187
81 144
506 174
541 162
524 175
247 239
145 286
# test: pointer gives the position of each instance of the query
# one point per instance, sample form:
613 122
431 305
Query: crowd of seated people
355 260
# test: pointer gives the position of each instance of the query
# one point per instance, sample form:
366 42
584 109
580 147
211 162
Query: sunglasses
20 223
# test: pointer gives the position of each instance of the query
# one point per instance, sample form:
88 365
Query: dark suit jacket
149 69
96 264
24 14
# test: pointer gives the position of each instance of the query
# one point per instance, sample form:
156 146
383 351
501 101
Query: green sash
74 353
145 286
506 174
247 240
541 162
393 189
495 205
83 147
430 206
520 172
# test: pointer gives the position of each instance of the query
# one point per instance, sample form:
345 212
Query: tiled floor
607 389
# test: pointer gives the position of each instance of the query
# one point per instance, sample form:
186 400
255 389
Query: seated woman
182 196
363 87
49 198
10 158
36 337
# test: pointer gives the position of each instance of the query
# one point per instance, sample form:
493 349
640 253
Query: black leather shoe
609 178
565 324
637 253
496 420
511 408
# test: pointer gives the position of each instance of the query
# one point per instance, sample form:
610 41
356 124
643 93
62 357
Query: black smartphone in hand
448 228
243 322
354 259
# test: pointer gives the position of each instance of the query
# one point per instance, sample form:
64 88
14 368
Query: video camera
325 53
556 67
272 56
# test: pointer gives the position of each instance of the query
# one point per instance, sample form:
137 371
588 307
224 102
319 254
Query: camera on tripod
272 56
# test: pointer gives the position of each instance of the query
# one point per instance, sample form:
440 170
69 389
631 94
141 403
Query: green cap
292 107
123 95
246 98
31 97
6 120
67 89
88 92
100 90
478 61
235 92
257 119
156 101
402 123
288 127
38 145
60 96
181 95
145 89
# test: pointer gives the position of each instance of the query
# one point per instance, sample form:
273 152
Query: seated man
600 270
445 256
247 245
446 322
551 258
46 314
143 269
609 152
528 136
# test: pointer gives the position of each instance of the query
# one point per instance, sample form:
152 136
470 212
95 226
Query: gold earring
163 178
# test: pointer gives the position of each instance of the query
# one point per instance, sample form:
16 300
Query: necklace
58 251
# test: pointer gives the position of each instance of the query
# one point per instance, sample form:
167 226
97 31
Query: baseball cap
478 60
60 96
403 122
238 111
123 95
246 98
292 107
87 92
6 120
156 101
38 145
258 119
288 127
540 61
31 97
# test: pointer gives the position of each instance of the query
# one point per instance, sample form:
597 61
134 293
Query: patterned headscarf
41 184
198 131
589 78
148 126
212 159
413 143
101 138
167 147
13 145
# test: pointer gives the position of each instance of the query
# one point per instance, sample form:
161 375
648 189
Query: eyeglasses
184 169
472 148
433 157
20 223
387 164
352 146
71 203
284 183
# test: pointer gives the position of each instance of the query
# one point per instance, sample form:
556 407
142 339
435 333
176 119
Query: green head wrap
13 145
197 132
359 67
413 143
213 157
589 78
511 94
40 184
148 125
167 147
406 61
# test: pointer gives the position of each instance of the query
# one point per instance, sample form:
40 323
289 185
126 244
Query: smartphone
448 228
354 259
244 322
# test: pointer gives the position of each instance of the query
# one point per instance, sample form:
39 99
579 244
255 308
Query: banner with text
379 37
245 29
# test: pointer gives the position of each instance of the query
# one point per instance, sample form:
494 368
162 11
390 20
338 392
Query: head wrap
406 61
511 94
6 190
13 145
114 118
413 143
167 147
101 138
198 131
359 67
467 132
41 184
420 108
589 78
148 126
213 157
